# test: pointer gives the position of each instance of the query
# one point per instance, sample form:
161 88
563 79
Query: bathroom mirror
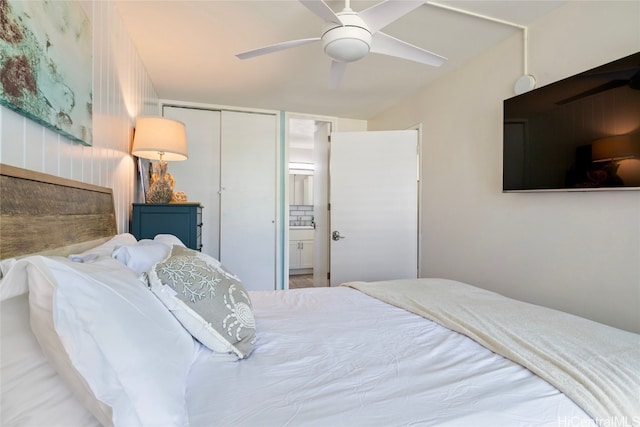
300 187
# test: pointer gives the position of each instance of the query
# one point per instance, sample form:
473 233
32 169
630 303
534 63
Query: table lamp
162 139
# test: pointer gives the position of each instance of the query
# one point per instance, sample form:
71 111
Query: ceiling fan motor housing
348 42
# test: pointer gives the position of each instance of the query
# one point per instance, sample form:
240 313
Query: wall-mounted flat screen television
580 133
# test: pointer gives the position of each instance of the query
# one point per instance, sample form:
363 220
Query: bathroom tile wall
301 215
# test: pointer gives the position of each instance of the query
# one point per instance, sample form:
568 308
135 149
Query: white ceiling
189 48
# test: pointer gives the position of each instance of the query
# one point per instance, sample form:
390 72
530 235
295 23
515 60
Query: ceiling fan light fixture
347 44
347 50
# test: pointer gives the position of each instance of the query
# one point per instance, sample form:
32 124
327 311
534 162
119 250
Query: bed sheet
336 357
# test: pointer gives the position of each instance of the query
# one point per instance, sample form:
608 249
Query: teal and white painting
46 64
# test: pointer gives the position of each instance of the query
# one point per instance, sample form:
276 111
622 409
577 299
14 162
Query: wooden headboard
41 213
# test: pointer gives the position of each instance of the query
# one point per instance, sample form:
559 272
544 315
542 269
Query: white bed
324 357
337 357
319 357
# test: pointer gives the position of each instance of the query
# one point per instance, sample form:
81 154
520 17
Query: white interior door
248 197
320 203
374 206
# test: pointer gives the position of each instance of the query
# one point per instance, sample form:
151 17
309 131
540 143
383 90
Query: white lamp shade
158 137
616 147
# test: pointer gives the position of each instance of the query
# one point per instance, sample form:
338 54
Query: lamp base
162 183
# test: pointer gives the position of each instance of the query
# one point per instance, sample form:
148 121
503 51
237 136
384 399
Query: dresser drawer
183 220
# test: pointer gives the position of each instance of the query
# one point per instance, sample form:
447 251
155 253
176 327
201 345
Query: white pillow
32 394
16 268
131 352
210 302
105 249
141 256
14 278
169 239
5 266
41 320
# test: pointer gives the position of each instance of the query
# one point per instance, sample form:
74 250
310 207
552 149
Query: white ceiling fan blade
321 9
337 72
386 45
384 13
276 47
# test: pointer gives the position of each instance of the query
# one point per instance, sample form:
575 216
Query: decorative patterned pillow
210 302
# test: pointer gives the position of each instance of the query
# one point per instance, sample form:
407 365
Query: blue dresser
183 220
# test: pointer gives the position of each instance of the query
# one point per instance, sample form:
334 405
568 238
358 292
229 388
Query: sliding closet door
248 197
199 175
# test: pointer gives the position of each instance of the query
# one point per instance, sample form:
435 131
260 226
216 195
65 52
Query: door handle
336 236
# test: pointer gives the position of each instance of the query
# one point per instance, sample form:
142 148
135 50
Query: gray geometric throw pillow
209 301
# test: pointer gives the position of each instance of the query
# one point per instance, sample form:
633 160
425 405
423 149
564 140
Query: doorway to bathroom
359 222
308 200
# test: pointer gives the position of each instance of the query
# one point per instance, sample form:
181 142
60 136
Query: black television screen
580 133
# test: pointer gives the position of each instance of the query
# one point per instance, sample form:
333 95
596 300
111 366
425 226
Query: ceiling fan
629 77
349 36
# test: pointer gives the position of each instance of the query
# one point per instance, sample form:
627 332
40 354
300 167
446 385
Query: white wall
122 90
350 125
578 252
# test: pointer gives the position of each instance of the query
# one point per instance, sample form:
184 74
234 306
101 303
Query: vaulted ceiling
189 48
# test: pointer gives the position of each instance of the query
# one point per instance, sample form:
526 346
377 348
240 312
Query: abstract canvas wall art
46 64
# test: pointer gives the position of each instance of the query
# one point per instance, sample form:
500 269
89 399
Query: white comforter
596 365
336 357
